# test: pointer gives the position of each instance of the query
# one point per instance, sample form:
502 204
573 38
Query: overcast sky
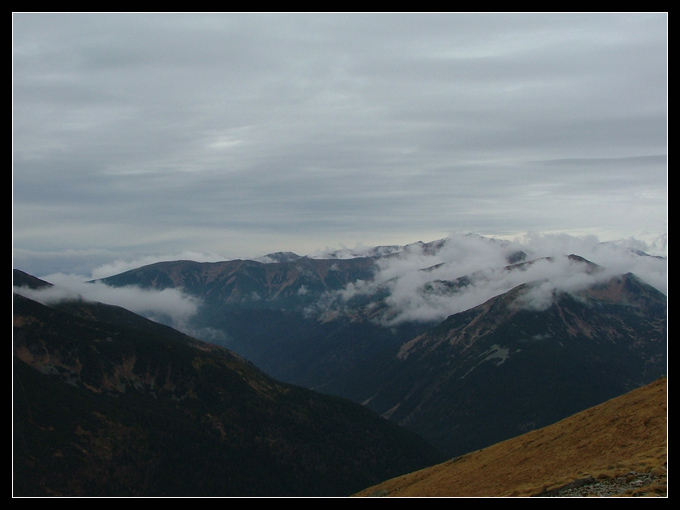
236 135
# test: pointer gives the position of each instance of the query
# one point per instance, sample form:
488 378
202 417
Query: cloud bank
419 284
168 306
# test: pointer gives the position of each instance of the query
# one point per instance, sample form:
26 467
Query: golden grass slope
624 435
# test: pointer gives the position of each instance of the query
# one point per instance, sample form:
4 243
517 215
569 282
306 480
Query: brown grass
622 435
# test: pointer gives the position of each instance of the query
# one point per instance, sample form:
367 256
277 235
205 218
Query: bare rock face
631 484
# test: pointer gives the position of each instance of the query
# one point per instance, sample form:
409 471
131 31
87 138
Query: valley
423 353
382 331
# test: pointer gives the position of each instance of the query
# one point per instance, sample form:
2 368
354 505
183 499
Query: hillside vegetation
109 404
616 448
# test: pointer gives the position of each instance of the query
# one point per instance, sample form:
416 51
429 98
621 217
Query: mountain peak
278 257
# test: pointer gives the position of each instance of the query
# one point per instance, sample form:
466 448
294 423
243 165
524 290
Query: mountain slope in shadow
107 403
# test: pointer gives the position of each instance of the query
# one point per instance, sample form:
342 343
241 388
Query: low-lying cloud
421 284
169 306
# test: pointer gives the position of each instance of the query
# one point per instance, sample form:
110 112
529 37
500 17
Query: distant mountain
281 315
426 248
22 279
501 369
464 359
279 256
248 284
261 311
107 403
617 448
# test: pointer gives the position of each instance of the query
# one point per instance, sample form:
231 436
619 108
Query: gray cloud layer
241 134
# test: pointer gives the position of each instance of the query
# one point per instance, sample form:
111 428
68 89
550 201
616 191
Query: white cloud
419 287
416 282
167 306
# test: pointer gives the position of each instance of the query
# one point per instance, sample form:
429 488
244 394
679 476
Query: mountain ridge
249 282
497 370
380 330
108 403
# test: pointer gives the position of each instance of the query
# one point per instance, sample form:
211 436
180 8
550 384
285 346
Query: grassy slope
628 433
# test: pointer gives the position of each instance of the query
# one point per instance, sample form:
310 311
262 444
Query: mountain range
321 375
498 370
108 403
463 374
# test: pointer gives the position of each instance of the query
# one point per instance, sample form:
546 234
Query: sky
141 137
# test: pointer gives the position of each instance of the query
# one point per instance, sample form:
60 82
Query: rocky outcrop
631 484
